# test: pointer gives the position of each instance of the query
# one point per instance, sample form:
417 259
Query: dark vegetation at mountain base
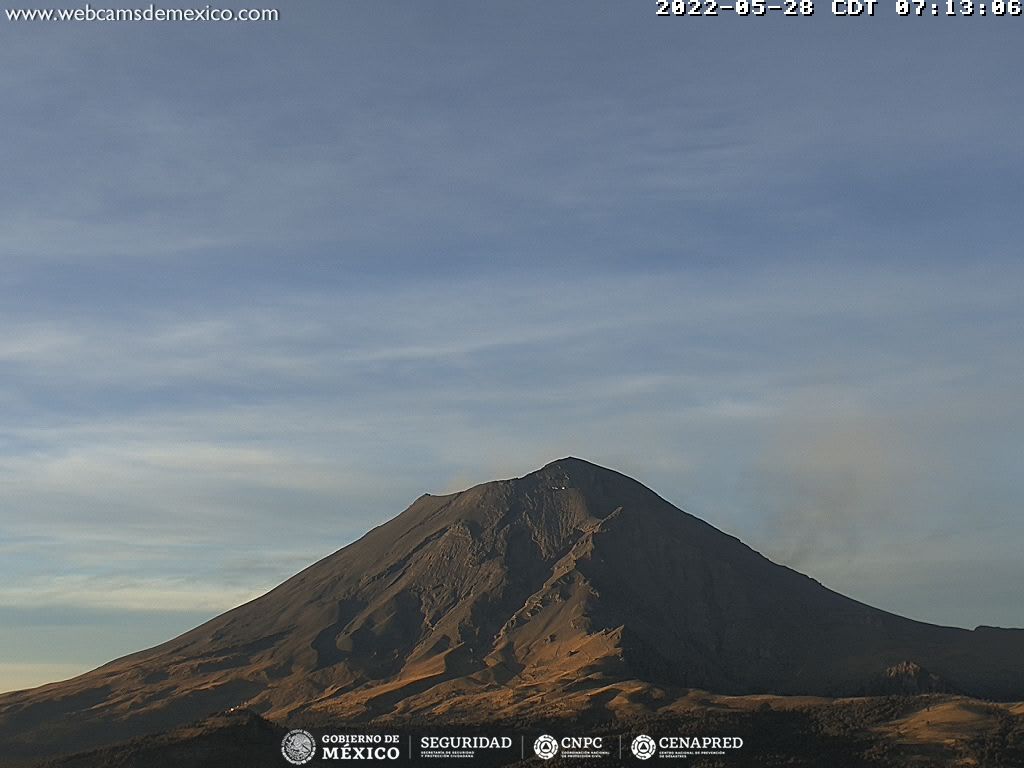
850 733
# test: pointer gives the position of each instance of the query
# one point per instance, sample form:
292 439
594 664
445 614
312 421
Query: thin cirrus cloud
136 595
739 408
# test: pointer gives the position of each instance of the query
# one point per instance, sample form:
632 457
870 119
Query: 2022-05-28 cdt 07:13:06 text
993 8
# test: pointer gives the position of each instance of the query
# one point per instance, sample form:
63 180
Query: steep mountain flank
572 580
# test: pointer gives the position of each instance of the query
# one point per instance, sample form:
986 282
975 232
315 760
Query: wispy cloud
124 595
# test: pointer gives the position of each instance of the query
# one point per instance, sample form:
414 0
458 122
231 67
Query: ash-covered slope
572 576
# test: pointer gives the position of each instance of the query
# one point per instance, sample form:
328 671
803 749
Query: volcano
518 597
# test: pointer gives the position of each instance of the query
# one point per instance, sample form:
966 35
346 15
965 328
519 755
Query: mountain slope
573 576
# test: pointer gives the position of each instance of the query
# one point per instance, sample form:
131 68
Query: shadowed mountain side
573 576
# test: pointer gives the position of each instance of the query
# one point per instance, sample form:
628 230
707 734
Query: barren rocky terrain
573 594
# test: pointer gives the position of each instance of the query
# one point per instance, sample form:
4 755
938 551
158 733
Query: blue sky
263 285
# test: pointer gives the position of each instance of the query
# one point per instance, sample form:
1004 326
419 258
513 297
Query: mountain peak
575 464
574 572
579 473
569 461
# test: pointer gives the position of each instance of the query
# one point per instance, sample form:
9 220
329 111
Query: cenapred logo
545 747
298 747
643 747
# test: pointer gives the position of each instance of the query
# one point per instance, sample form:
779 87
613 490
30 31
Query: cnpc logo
546 747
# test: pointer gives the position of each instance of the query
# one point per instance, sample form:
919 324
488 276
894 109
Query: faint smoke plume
826 486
